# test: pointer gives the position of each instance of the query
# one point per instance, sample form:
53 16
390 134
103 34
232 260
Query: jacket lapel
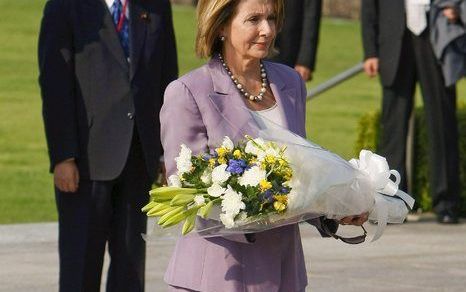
109 35
137 34
228 102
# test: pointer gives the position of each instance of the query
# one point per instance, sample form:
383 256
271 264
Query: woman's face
251 30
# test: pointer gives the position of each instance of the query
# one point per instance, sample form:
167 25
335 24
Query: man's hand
66 176
371 67
451 14
304 71
357 220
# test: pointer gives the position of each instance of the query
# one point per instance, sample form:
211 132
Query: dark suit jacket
93 98
297 42
383 28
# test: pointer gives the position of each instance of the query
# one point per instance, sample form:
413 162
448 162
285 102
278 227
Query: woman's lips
262 45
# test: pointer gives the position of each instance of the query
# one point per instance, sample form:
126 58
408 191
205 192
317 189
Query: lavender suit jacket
199 109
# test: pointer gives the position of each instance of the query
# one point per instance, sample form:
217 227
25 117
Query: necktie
416 17
121 24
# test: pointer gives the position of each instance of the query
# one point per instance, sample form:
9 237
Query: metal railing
334 81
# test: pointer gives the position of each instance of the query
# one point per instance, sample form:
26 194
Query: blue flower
206 156
236 166
284 190
268 196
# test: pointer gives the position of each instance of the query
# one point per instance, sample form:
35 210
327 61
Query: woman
213 101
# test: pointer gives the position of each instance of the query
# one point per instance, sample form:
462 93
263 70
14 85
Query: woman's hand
357 220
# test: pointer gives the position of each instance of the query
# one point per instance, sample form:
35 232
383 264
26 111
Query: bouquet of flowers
247 181
258 184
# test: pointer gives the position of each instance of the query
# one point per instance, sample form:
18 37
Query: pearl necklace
240 87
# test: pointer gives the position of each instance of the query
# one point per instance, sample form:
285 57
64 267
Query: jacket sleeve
310 33
369 28
56 80
181 123
170 61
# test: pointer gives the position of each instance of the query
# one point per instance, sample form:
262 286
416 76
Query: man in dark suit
104 66
396 45
297 42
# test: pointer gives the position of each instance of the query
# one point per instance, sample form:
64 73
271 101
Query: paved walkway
420 256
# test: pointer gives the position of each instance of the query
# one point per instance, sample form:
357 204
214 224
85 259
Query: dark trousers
418 63
104 212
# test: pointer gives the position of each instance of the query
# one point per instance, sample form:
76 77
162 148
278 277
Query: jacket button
130 116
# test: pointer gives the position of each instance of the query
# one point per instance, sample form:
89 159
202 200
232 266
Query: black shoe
447 218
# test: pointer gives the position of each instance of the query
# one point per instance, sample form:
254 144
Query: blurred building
332 8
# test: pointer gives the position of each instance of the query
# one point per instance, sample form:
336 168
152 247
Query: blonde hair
213 15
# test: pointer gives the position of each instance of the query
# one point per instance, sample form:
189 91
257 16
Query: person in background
296 44
104 66
397 46
448 37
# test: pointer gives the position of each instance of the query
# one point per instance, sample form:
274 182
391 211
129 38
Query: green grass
26 192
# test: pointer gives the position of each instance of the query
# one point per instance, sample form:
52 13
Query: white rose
183 161
227 143
232 202
227 220
185 152
206 176
216 190
251 147
174 181
219 174
183 166
199 200
252 177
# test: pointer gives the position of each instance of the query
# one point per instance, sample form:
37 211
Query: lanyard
122 17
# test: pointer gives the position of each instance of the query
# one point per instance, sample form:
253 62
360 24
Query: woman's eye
253 19
272 18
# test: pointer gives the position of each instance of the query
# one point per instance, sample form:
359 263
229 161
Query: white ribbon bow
377 169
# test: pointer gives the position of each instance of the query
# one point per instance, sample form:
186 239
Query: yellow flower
212 162
279 206
281 198
222 160
287 173
237 154
280 202
222 151
270 159
263 165
265 185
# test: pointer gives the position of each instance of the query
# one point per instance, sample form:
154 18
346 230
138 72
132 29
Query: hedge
368 138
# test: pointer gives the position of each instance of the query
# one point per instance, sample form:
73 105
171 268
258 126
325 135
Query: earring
222 38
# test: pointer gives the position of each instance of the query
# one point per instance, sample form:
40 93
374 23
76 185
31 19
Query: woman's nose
267 28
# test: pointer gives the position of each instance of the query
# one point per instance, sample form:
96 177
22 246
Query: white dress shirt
110 4
272 117
416 17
